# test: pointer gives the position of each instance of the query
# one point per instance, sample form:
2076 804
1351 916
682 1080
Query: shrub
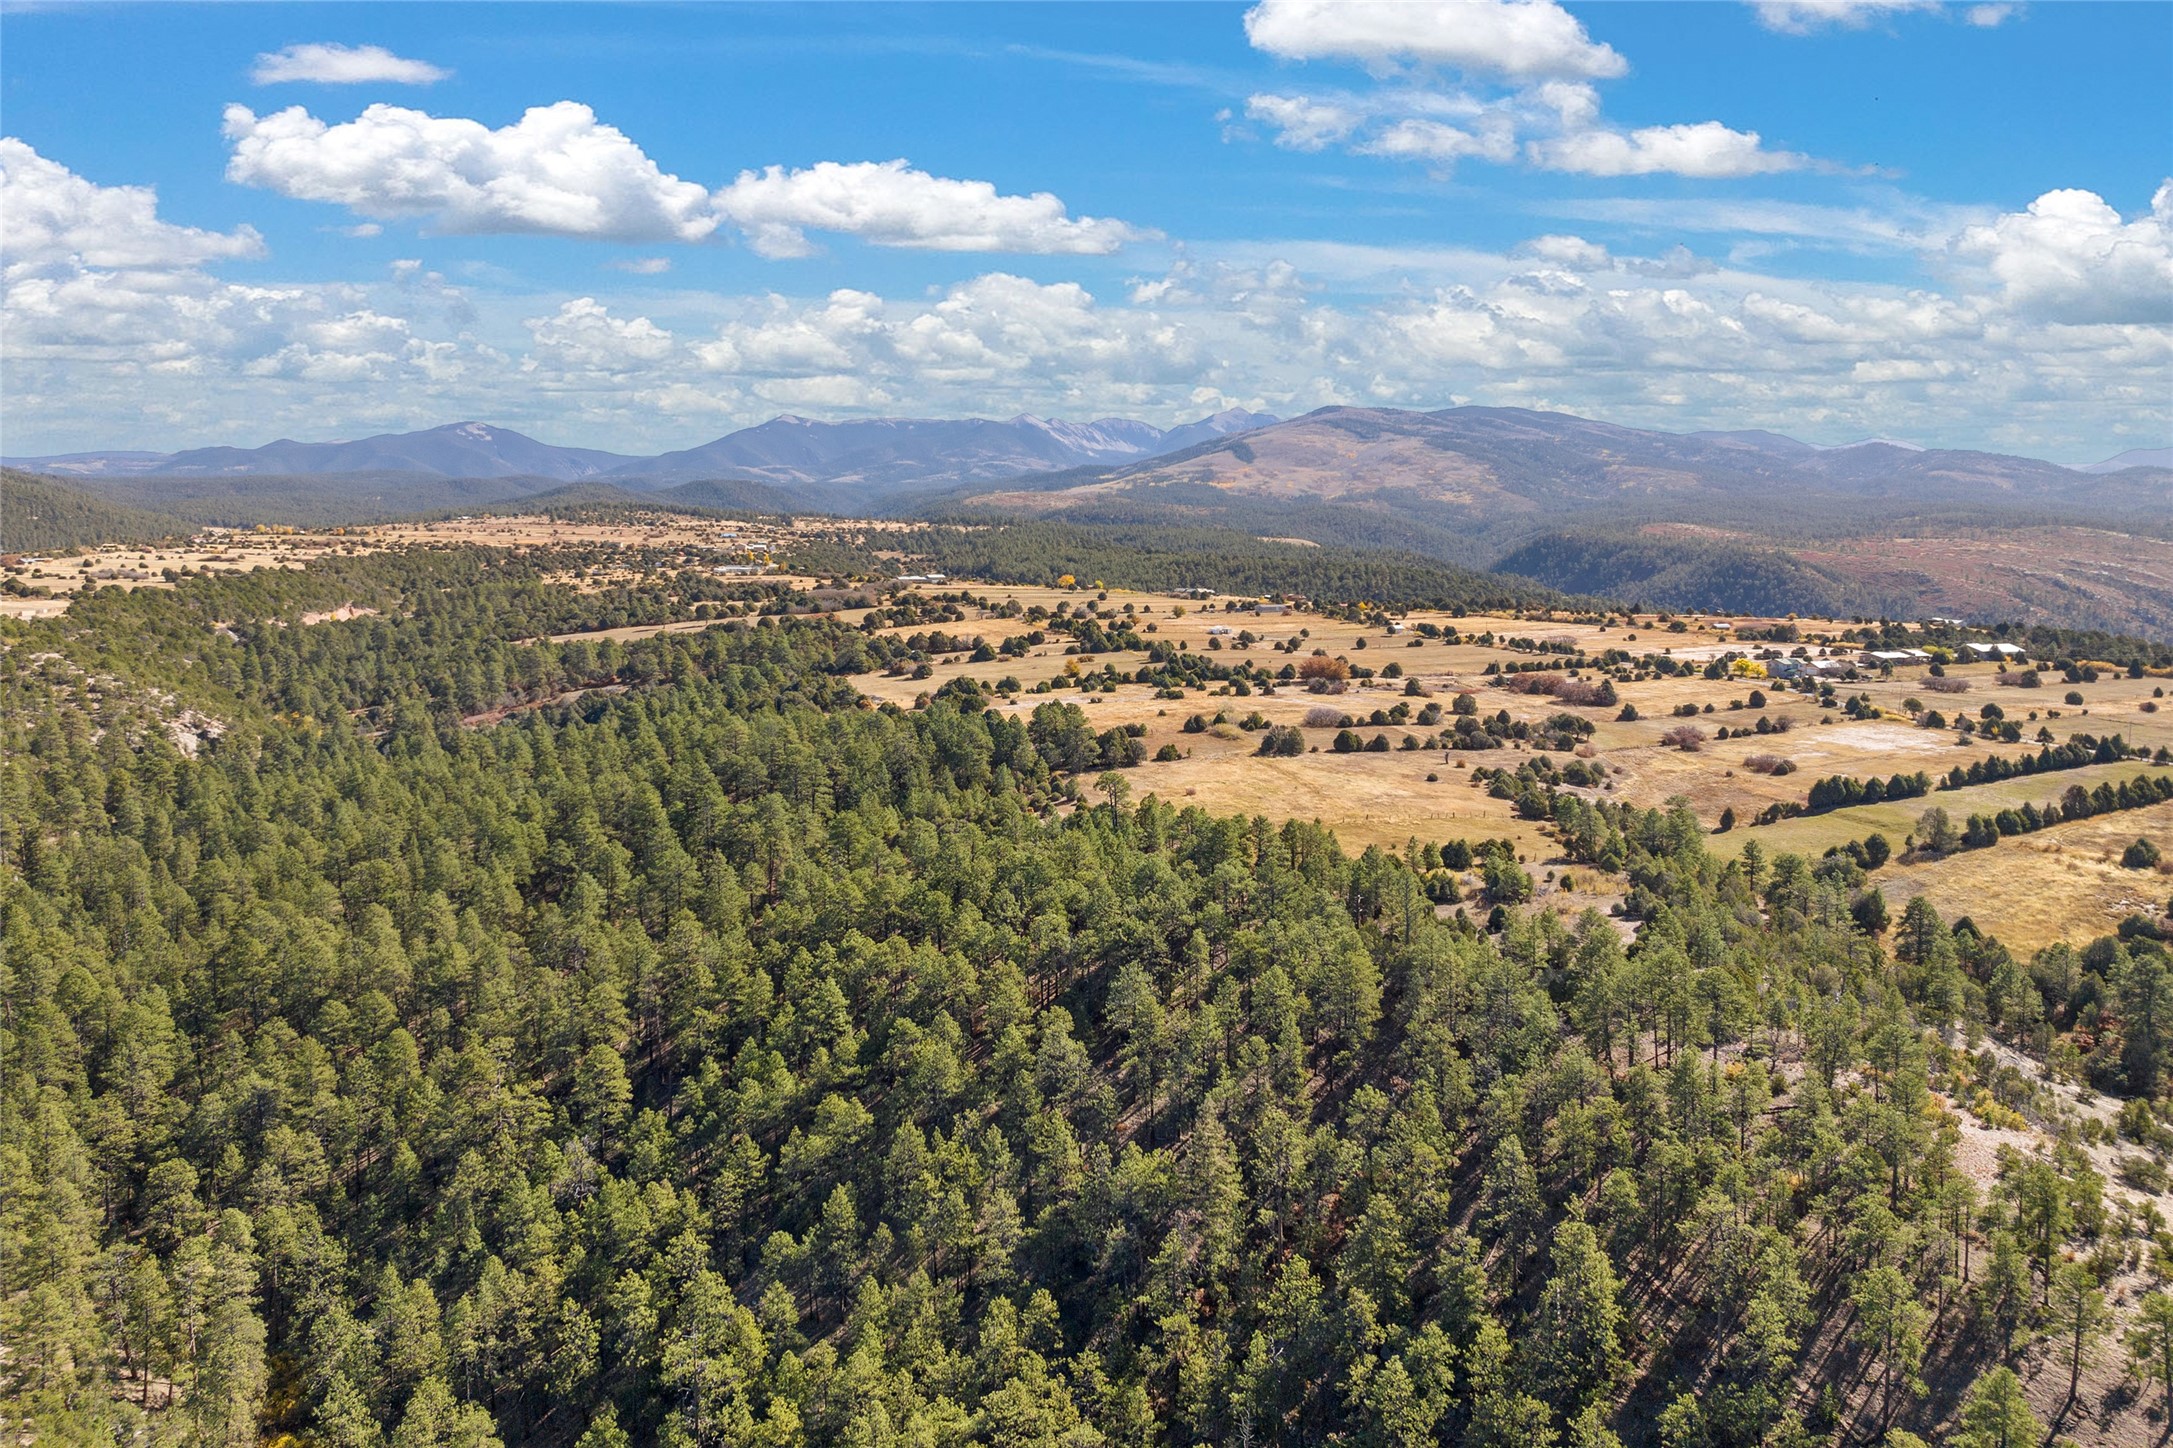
1320 666
1588 693
1946 685
1320 716
2143 1174
2073 696
1768 764
2142 855
1686 737
1935 833
1506 882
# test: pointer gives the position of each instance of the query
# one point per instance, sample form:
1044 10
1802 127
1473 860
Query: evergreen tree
1575 1344
1997 1415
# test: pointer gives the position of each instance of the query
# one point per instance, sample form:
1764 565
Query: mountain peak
1879 442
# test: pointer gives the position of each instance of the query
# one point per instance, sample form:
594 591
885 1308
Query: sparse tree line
1936 834
2080 750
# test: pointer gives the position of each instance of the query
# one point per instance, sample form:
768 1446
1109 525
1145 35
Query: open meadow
1399 795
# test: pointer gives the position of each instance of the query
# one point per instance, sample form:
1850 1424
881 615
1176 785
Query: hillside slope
1679 573
39 513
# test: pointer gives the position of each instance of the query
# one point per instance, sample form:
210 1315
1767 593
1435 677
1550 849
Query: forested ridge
1734 576
727 1061
38 512
1161 558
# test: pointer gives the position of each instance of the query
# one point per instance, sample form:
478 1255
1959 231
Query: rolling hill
456 450
40 513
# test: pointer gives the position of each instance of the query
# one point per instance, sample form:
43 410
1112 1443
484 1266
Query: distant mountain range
1747 520
1750 520
2134 457
1500 459
1493 464
867 459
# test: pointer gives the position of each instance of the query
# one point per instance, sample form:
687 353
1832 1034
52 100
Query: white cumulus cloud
584 335
1417 139
50 217
1707 149
1521 39
1033 340
831 338
2070 258
1523 85
333 64
1302 123
889 203
1801 17
559 171
2050 331
556 171
1571 253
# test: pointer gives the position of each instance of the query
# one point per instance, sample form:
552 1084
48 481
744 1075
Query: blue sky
1946 224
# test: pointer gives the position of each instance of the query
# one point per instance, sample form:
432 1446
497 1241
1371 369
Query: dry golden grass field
2063 883
120 566
2042 893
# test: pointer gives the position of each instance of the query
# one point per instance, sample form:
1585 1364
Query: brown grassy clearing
2065 883
1814 834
